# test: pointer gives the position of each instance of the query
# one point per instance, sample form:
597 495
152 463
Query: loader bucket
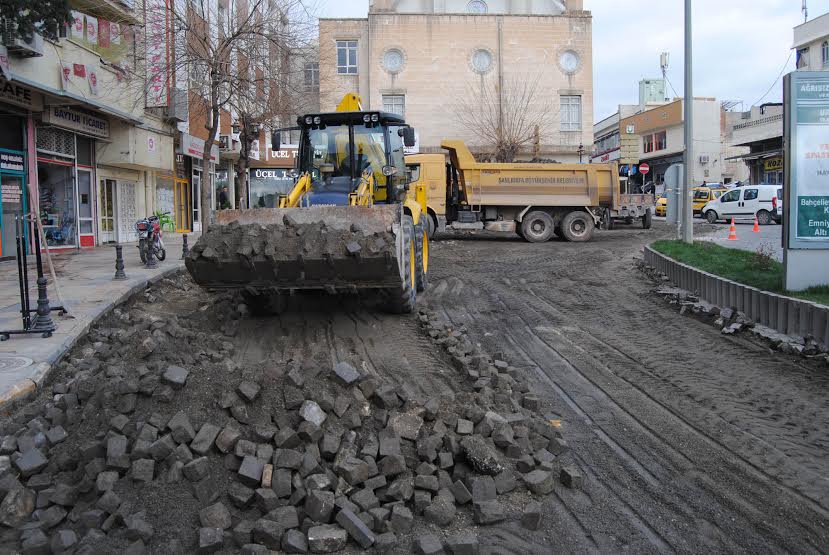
285 250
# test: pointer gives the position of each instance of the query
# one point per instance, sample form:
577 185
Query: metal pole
685 202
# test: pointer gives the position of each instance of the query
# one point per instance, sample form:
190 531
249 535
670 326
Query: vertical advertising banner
156 39
809 158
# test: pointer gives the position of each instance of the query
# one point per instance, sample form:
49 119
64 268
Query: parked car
704 195
661 207
744 202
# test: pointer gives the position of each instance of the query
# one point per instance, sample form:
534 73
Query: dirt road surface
691 441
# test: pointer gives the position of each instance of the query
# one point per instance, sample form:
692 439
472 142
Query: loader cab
341 150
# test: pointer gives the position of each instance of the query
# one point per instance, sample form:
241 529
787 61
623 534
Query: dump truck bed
533 184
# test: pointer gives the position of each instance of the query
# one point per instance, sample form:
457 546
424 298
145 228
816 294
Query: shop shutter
56 141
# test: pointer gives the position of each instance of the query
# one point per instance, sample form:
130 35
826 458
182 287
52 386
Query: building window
647 143
347 57
660 140
482 61
312 75
802 58
571 113
395 104
477 7
393 60
825 51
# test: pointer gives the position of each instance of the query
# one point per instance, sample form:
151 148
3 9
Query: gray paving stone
204 439
356 528
175 376
326 538
215 516
181 429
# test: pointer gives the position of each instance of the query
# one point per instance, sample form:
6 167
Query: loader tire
578 226
422 254
402 299
431 227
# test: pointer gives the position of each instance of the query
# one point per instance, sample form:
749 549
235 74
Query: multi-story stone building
811 42
430 59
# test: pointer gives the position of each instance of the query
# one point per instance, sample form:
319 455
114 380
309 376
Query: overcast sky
740 46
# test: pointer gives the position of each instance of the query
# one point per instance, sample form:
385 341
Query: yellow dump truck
536 201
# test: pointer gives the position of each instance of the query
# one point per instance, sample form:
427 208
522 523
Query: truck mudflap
331 248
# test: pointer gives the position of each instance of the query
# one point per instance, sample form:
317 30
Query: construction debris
292 458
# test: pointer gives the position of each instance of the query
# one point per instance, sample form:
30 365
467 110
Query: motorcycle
149 235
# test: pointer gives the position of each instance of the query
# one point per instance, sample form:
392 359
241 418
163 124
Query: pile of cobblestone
126 455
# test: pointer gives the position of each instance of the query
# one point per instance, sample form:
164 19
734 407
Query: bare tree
227 54
508 121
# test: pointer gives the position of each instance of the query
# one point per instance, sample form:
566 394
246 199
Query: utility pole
685 201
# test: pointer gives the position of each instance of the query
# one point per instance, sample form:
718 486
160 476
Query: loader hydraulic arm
364 195
294 198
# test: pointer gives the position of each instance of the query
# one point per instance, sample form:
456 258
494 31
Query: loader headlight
309 120
389 170
367 118
317 120
375 118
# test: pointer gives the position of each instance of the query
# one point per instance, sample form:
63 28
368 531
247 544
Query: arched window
825 50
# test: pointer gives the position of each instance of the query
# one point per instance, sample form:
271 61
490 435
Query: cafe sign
12 162
80 122
18 95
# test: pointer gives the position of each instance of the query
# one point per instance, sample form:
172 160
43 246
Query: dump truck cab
428 174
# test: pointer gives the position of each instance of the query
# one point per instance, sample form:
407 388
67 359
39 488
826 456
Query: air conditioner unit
704 159
29 46
227 143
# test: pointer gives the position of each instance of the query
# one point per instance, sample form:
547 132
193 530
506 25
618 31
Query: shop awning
758 155
85 102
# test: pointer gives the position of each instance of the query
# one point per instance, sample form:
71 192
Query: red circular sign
644 169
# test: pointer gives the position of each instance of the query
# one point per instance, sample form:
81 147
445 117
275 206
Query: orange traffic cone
732 233
756 225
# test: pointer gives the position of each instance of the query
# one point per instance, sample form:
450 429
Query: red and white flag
92 79
92 30
65 74
79 70
76 27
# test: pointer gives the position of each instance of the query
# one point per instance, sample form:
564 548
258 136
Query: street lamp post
581 151
685 202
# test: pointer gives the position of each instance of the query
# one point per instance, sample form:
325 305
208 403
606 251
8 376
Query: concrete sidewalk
85 279
769 238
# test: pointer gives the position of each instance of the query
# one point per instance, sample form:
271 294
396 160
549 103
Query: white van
744 203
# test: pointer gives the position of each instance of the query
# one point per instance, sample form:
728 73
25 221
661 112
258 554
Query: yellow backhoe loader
349 225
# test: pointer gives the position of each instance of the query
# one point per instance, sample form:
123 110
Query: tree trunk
207 183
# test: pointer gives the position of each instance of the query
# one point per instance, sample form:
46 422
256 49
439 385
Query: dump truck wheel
577 226
401 299
647 220
430 225
422 254
538 227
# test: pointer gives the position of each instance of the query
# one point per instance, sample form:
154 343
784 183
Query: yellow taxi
704 195
661 206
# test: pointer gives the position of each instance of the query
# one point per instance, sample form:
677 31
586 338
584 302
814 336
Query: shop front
65 143
773 170
16 104
272 178
188 202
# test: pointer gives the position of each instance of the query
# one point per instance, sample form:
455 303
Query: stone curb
27 387
779 312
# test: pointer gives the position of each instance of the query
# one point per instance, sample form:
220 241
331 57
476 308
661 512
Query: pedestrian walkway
85 279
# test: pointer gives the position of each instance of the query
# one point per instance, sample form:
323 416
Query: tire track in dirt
704 476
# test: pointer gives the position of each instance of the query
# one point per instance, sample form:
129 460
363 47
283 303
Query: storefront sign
12 162
14 93
267 185
283 158
77 121
194 147
11 194
607 157
773 164
808 97
157 52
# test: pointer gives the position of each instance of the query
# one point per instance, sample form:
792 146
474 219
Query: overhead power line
782 70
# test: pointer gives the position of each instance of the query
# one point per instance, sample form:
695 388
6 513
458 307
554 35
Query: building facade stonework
429 65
